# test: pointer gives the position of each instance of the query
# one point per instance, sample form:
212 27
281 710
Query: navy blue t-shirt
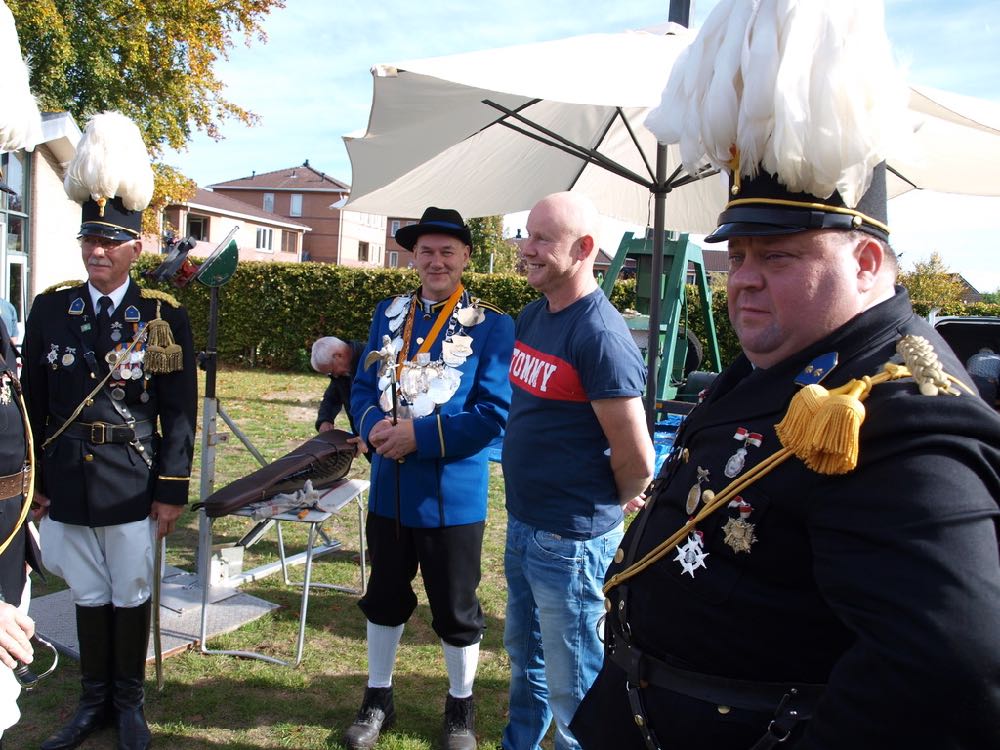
556 466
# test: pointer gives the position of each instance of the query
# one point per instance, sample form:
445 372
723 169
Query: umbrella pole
656 284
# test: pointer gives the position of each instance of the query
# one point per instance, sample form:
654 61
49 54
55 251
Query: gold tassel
163 355
835 439
795 427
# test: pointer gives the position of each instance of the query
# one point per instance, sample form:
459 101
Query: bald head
561 247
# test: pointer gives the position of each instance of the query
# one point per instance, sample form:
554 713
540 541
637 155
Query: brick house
309 197
209 217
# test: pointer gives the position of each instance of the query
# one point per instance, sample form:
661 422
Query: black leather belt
99 433
762 697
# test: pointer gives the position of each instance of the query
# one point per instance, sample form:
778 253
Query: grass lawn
222 701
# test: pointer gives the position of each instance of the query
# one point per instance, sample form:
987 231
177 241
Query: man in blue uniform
818 565
110 384
430 396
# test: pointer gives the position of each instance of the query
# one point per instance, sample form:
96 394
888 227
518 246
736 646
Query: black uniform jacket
98 484
12 456
338 394
882 583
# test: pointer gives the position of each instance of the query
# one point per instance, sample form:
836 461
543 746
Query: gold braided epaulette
162 296
488 306
62 285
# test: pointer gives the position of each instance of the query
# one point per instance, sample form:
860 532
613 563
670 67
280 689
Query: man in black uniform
338 359
832 582
17 545
111 389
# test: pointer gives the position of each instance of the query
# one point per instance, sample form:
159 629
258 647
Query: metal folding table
333 500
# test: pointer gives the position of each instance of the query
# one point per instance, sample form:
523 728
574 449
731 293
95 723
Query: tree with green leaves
488 242
931 283
151 60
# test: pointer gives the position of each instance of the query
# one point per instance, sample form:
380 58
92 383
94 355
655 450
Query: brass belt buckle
94 433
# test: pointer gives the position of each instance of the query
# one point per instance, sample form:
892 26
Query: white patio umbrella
494 131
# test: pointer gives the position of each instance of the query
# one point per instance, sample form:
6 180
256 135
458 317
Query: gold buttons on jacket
89 402
619 555
88 457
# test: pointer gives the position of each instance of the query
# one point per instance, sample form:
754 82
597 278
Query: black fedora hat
110 220
435 221
763 207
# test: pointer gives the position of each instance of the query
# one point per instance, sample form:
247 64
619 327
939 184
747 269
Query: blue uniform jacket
445 483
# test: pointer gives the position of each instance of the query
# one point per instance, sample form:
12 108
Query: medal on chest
421 383
691 555
738 531
738 460
694 494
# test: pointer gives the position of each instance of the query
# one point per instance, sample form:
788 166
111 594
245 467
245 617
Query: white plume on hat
111 160
20 121
806 89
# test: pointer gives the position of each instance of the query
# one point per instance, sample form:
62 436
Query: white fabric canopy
432 139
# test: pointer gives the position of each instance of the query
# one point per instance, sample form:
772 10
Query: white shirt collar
116 296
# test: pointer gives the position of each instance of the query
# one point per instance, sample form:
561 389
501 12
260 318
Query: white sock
382 644
461 662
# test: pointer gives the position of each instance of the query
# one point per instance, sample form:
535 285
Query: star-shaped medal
691 556
739 534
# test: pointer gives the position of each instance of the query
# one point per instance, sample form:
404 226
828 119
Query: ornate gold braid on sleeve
821 428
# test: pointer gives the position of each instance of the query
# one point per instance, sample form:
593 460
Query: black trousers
449 563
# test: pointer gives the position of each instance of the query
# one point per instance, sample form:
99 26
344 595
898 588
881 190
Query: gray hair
324 349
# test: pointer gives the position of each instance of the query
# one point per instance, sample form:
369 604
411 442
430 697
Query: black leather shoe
377 712
459 724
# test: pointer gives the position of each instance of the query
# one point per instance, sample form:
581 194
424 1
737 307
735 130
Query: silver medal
68 359
126 372
144 397
136 373
398 306
691 556
470 316
117 393
694 494
422 406
116 335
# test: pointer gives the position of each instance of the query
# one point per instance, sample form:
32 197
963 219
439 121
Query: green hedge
270 313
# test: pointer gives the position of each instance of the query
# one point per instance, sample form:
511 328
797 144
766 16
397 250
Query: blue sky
310 84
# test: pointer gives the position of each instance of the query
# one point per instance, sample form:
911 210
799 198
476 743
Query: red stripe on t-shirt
545 375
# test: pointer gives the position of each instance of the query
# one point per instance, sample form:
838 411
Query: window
295 204
393 259
198 227
288 243
363 252
264 239
395 226
269 202
14 212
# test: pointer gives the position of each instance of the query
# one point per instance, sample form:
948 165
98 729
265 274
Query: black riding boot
94 628
131 641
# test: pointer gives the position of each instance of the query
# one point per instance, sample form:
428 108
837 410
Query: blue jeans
553 598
